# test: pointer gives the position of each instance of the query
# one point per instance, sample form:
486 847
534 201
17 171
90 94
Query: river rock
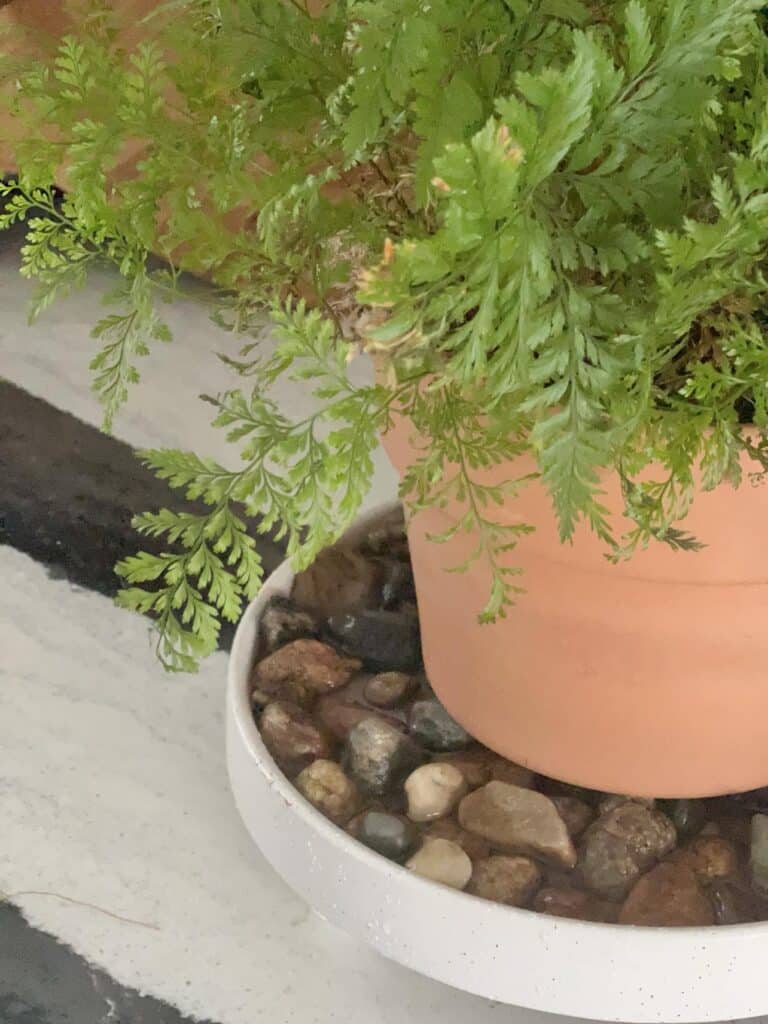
515 774
688 816
474 765
388 538
440 860
387 834
518 820
339 713
292 737
668 896
398 587
388 689
282 621
574 812
379 756
731 903
302 670
433 790
567 901
326 786
431 726
758 856
340 580
621 844
383 640
503 879
474 846
711 858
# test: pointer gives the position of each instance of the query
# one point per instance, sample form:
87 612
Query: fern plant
548 219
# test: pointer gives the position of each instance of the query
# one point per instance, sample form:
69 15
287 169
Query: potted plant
547 222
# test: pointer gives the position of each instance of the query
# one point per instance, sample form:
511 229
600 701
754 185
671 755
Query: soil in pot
341 700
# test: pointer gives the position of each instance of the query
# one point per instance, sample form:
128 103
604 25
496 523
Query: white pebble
433 790
442 861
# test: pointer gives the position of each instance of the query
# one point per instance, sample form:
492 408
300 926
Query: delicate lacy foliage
548 217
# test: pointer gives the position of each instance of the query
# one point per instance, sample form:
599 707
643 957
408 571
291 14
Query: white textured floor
112 782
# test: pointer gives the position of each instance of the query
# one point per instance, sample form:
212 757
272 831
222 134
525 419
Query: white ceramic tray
606 972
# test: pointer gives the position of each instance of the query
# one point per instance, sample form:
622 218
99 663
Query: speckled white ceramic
606 972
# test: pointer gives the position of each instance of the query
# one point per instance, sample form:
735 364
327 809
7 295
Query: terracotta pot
648 678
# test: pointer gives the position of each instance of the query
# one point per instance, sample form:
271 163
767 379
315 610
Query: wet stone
302 670
758 857
711 858
379 757
433 791
688 816
517 820
504 879
340 580
440 860
339 714
575 813
432 727
292 737
282 621
474 846
388 689
567 901
387 834
327 787
474 765
621 844
731 903
668 896
384 641
398 587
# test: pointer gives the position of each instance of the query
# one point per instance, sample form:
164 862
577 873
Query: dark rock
388 689
567 901
379 756
575 813
388 538
398 587
384 641
622 844
502 879
340 580
387 834
474 765
668 896
302 670
431 725
688 816
282 622
731 903
292 737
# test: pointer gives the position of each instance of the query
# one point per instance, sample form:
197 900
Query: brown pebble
292 737
388 689
330 790
620 845
668 896
339 715
302 670
566 901
574 812
502 879
446 828
710 858
515 774
340 580
518 820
